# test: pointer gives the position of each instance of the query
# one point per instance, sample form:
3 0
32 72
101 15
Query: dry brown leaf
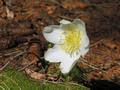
52 78
35 75
2 22
1 2
112 73
35 50
16 32
21 31
10 14
110 44
72 4
8 42
51 9
94 75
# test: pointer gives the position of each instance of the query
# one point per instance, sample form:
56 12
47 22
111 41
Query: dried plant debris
34 51
106 59
10 14
35 75
72 4
9 42
18 30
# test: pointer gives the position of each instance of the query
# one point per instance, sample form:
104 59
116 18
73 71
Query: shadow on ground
104 85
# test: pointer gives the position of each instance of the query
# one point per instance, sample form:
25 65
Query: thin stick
92 45
64 17
76 84
4 66
8 54
55 1
28 65
25 66
62 83
19 54
92 66
54 82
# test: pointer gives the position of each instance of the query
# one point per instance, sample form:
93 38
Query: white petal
79 22
84 45
53 54
53 34
64 21
67 65
80 25
56 54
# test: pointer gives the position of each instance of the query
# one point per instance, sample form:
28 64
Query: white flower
71 42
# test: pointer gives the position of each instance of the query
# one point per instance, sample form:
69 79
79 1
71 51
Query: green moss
13 80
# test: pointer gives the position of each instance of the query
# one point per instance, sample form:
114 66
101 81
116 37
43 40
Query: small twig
4 66
62 83
76 84
19 54
64 17
55 2
96 43
86 62
8 54
11 53
91 66
54 82
21 69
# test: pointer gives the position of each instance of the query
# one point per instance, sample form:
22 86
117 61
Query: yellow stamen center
72 39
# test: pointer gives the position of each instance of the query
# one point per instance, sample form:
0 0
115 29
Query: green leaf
13 80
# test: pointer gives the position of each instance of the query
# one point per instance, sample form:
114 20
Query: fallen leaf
8 42
10 14
35 75
35 50
72 4
1 2
51 9
110 44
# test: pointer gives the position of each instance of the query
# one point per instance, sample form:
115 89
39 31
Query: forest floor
22 45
